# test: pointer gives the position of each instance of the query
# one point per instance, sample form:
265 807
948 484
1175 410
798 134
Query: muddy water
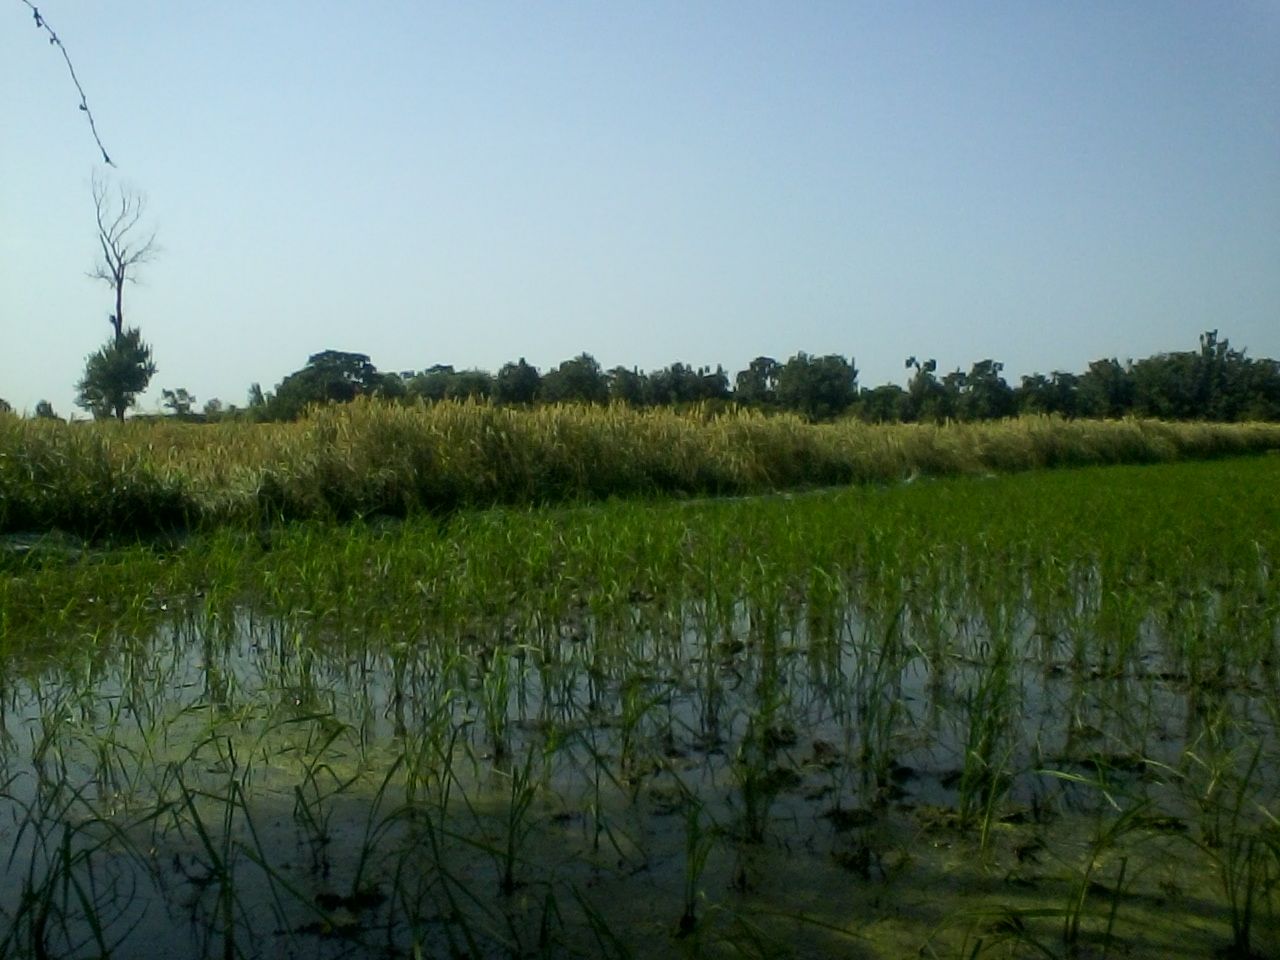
875 783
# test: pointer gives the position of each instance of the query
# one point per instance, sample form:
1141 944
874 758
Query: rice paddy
1024 715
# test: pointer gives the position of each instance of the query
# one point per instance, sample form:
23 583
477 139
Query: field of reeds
367 459
1025 715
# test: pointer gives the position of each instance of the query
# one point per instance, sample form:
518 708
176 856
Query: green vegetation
369 458
1027 715
1215 383
114 375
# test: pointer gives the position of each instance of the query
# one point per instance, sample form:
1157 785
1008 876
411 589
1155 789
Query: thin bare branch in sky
55 41
124 249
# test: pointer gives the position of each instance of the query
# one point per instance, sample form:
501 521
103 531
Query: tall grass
368 458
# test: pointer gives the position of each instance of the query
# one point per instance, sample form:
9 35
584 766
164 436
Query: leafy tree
678 384
257 400
1262 390
1214 383
1057 393
579 379
670 385
628 386
928 399
471 385
1106 390
432 383
330 376
120 370
442 382
115 375
984 394
714 384
392 386
758 384
1167 386
818 387
178 402
883 404
516 383
44 411
5 406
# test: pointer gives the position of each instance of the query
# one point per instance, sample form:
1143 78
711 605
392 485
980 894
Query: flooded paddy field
1030 716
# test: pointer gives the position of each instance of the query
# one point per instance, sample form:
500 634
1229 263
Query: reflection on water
951 770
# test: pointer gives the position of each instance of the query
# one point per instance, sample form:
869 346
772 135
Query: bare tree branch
118 213
55 41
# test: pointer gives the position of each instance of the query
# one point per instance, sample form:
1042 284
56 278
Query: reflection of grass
522 732
69 895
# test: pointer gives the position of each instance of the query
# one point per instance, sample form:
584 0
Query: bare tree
125 246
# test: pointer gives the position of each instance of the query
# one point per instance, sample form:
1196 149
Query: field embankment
369 458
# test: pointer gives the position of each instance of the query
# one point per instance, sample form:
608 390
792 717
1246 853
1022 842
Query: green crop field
954 711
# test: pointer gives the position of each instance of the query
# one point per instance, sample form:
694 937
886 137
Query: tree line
1215 382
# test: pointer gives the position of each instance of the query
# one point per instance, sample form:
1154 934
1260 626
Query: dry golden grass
369 457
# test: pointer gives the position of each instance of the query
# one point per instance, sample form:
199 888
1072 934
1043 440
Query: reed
369 458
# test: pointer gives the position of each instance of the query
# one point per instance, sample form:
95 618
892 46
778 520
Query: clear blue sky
1040 183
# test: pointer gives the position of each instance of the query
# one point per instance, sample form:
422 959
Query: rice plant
955 716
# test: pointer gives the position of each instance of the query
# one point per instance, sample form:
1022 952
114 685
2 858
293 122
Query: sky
1043 184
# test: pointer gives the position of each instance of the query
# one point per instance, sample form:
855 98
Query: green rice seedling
988 714
216 840
320 782
517 823
1109 835
1237 831
698 842
371 628
635 702
495 694
1246 864
600 774
550 921
364 893
1115 906
428 748
998 927
757 779
1003 925
725 929
608 942
878 705
435 891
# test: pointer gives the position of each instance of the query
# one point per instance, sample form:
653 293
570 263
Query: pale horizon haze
1044 184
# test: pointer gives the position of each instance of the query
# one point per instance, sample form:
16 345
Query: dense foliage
377 457
115 375
1216 383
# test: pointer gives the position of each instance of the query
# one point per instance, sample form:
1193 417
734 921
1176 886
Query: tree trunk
117 320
